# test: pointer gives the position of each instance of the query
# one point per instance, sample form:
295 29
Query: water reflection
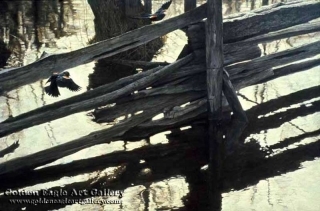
29 27
247 167
284 114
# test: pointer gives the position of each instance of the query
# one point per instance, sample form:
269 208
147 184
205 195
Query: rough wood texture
234 30
86 95
127 131
260 22
13 78
285 33
94 138
195 82
244 74
254 79
268 75
214 55
273 60
185 116
93 102
257 69
198 110
214 66
232 54
292 68
239 120
271 18
147 101
139 64
252 68
144 100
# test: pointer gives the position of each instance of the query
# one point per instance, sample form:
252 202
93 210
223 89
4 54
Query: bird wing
52 89
68 83
154 16
165 6
49 79
52 77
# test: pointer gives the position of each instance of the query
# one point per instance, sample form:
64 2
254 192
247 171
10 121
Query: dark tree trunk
112 18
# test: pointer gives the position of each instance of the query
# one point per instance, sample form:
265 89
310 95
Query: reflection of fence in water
273 122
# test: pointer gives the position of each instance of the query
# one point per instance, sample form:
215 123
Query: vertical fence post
214 61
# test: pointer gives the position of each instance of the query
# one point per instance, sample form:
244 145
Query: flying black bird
157 16
60 80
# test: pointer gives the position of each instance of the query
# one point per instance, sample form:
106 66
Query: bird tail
52 91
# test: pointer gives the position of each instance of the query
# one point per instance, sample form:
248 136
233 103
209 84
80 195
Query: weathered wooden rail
172 84
194 32
237 29
215 71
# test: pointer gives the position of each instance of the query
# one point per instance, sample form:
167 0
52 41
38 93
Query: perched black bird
60 80
157 16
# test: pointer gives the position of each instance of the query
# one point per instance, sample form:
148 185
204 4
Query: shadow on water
185 151
9 149
257 124
245 167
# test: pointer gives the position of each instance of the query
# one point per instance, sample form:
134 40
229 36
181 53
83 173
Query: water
293 188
